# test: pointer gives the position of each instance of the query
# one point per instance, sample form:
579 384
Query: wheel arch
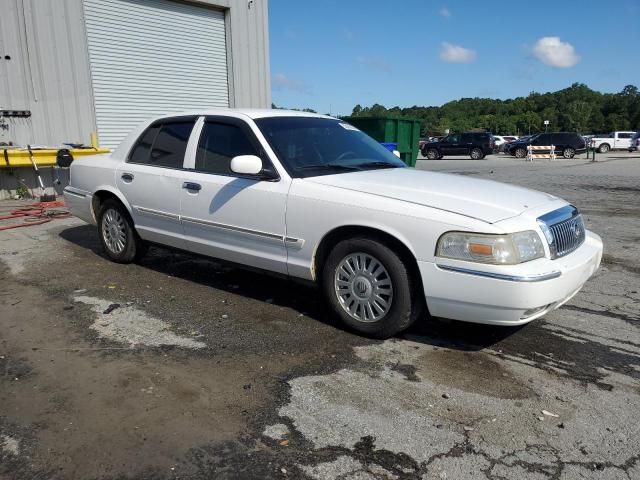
433 147
393 241
101 195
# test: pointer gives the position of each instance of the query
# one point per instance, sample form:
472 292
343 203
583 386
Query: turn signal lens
480 249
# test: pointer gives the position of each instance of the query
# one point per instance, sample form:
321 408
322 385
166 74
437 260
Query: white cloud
556 53
280 81
374 63
445 12
456 54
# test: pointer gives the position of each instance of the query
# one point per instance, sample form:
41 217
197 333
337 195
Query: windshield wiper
378 165
334 166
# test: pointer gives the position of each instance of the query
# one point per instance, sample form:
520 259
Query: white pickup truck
613 141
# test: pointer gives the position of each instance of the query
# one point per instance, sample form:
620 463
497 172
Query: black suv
475 144
566 144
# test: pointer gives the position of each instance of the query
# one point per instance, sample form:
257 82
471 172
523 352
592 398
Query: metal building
72 67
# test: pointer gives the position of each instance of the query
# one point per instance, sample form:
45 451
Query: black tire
604 148
568 152
406 304
433 154
520 152
476 154
133 247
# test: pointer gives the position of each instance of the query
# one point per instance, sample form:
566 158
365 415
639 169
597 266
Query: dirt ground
180 367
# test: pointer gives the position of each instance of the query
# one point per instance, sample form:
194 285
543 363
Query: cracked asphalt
181 367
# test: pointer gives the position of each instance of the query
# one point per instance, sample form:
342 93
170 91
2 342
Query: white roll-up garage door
151 57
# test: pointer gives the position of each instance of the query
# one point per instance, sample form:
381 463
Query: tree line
574 109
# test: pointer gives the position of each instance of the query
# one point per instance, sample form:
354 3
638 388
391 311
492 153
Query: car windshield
312 146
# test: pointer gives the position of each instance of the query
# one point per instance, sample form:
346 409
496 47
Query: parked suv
566 144
475 144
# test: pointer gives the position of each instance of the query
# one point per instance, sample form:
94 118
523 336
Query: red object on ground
35 214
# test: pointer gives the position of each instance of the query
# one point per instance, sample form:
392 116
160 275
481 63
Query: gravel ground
180 367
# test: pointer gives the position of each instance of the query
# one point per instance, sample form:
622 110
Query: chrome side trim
73 193
233 228
157 213
294 242
500 276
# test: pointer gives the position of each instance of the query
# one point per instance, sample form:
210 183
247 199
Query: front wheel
433 154
568 153
521 152
369 287
119 239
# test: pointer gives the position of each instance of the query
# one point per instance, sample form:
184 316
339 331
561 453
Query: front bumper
507 295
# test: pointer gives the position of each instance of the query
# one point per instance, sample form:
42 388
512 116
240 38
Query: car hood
484 200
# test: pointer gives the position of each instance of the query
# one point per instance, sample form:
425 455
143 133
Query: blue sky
334 54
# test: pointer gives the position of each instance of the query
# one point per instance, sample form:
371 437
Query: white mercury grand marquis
314 198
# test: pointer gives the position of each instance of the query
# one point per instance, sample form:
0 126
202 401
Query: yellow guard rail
44 157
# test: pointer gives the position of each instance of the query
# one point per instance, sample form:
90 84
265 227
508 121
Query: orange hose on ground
35 214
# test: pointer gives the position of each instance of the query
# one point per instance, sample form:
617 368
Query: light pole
546 125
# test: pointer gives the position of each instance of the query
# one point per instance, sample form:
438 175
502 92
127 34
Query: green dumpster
401 130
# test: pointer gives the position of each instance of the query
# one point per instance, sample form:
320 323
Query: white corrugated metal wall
48 71
150 57
43 68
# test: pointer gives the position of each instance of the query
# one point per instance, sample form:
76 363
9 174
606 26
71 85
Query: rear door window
163 144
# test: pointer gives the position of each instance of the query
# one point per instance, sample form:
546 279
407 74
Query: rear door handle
192 186
127 177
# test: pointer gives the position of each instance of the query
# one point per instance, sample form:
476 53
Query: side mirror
246 165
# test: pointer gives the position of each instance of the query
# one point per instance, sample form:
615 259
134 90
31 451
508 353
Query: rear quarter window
163 144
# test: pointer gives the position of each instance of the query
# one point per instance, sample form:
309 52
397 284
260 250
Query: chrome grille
563 229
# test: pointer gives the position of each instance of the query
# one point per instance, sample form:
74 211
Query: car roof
253 113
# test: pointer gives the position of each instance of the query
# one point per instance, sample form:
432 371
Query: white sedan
312 197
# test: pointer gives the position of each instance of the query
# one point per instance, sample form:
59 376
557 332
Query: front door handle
127 177
192 186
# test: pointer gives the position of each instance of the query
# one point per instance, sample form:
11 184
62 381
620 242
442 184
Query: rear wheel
521 152
433 154
119 239
604 148
568 152
476 154
370 288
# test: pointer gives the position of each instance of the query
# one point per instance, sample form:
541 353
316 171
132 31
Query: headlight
495 249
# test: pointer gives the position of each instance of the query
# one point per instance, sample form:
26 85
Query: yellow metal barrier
46 157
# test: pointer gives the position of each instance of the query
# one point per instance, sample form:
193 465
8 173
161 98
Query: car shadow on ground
303 298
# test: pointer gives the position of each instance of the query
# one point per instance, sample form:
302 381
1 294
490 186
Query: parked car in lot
613 141
503 146
475 144
634 143
566 144
498 141
313 198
